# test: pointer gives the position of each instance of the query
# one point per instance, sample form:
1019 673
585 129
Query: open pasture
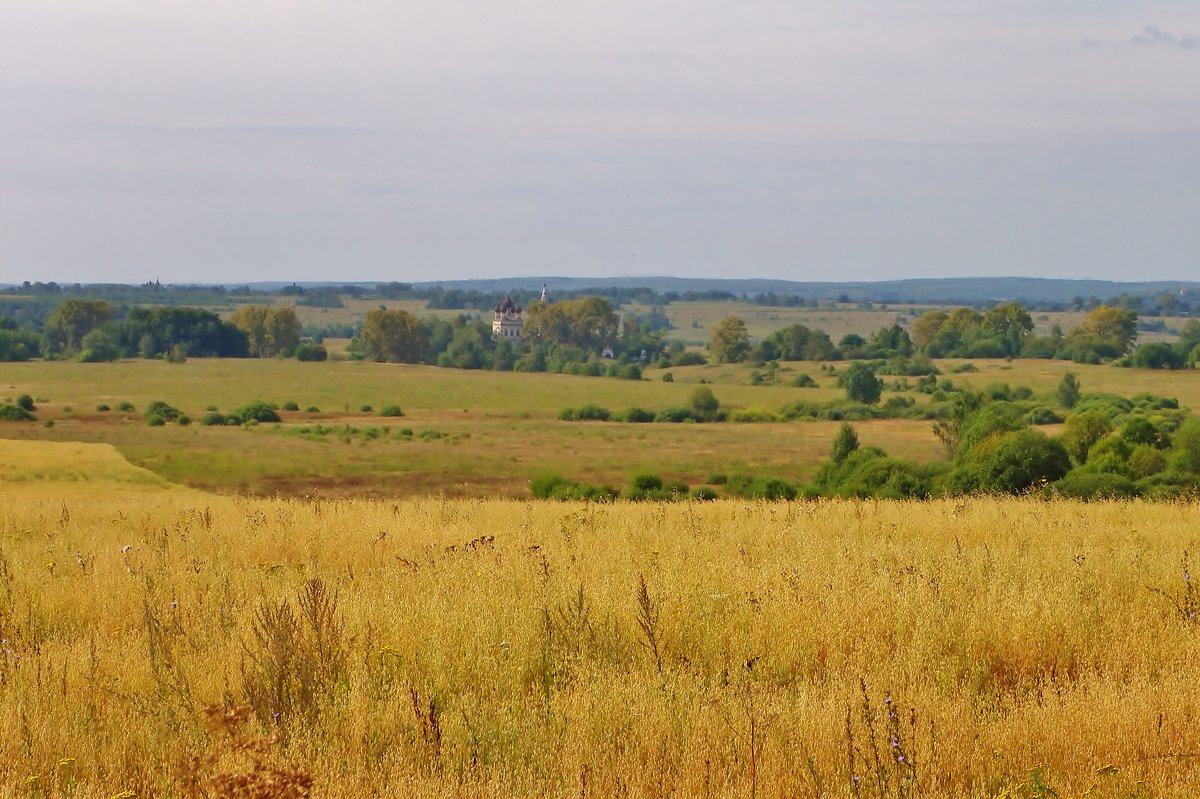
693 321
199 646
478 434
473 433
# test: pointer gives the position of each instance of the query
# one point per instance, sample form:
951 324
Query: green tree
845 442
949 430
269 331
1023 460
1011 323
798 343
704 403
252 320
861 384
392 336
1068 391
283 330
926 327
588 322
1084 430
730 341
1106 332
74 319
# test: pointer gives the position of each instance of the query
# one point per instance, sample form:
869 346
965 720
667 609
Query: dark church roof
507 306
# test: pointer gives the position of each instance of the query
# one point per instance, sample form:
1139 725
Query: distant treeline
1106 333
1153 301
584 336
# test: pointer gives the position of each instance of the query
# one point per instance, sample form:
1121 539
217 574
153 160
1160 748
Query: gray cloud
1150 37
1153 36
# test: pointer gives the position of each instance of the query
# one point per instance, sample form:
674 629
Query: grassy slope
72 468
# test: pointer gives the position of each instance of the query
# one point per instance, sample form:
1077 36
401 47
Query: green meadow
472 433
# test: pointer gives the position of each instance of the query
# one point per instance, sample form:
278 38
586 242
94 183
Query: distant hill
965 290
949 290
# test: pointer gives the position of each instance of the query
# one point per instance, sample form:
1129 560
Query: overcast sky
240 140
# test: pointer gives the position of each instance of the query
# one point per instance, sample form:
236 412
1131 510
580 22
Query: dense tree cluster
564 337
1111 446
270 331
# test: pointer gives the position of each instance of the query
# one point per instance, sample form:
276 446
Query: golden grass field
189 645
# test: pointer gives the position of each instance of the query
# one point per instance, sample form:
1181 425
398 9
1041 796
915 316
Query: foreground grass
184 647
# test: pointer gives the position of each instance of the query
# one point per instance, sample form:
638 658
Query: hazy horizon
838 140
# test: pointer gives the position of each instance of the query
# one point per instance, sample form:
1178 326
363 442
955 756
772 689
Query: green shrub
162 411
751 487
869 472
751 415
645 481
102 408
592 413
1140 430
392 411
702 494
212 418
845 442
893 405
676 487
126 407
586 492
804 381
1023 460
1044 415
312 409
366 409
629 371
257 411
962 368
1092 485
543 485
25 402
704 403
771 488
1170 485
675 415
1146 461
290 406
311 352
861 384
998 391
1111 406
15 413
636 416
184 420
668 377
718 479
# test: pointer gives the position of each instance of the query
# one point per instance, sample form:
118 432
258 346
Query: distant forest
32 302
582 331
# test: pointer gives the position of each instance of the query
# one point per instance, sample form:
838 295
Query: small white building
507 322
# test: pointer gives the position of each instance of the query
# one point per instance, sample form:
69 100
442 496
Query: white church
507 321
